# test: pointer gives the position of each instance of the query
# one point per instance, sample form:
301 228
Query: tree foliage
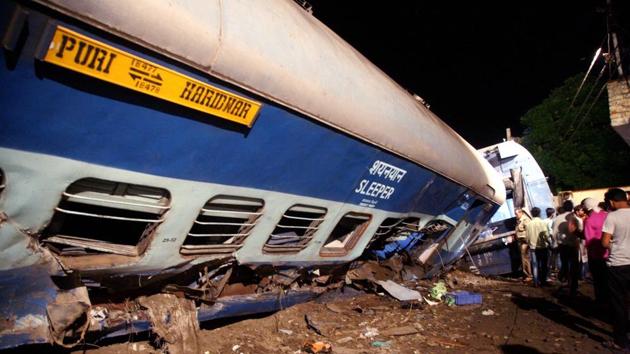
575 145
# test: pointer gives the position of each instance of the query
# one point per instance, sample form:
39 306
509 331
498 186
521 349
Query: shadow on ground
561 315
518 349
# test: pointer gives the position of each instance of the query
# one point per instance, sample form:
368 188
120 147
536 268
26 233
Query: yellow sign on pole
82 54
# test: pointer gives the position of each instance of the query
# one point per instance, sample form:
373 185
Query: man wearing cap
616 237
597 254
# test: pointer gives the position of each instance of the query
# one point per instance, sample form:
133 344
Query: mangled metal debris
172 308
399 292
174 321
68 315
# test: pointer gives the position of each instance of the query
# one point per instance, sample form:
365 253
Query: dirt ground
525 320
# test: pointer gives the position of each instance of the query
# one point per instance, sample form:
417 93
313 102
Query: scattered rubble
487 312
398 291
528 319
317 347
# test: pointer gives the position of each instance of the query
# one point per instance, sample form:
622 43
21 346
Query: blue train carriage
496 251
206 148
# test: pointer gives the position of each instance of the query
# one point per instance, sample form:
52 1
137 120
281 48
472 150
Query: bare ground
525 320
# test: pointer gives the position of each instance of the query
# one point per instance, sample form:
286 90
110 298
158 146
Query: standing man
538 239
522 219
567 228
553 247
616 237
597 254
560 231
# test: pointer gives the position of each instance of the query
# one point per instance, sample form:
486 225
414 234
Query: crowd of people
592 237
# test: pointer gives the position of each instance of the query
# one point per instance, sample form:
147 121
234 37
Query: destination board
85 55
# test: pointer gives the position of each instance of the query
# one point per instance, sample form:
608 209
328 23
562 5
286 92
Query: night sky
480 65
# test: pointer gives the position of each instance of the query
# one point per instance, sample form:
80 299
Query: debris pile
172 307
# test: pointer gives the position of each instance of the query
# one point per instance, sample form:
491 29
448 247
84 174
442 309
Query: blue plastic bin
462 297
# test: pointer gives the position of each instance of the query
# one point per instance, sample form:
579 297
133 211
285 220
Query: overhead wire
595 57
604 40
599 93
601 90
569 130
609 64
590 93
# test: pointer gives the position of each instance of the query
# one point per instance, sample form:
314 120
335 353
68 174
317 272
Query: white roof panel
277 50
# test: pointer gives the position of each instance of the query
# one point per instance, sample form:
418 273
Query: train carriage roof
279 51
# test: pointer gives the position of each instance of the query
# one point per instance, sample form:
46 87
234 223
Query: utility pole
610 21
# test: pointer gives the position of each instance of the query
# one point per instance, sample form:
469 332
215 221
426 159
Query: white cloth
617 224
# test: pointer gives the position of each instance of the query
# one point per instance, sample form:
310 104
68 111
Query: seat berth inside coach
296 229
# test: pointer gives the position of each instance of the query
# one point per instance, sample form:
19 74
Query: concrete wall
578 196
619 103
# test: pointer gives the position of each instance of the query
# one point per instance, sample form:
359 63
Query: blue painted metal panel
25 293
53 111
495 262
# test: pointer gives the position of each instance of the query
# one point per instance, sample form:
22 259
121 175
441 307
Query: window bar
217 235
223 223
302 218
290 236
298 227
108 216
70 195
230 211
222 245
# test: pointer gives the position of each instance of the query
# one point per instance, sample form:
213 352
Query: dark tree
575 145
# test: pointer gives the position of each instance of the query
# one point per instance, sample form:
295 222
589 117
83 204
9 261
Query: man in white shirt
538 239
616 237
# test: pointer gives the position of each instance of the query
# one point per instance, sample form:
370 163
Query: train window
387 229
295 229
434 232
407 226
393 229
346 234
223 224
97 216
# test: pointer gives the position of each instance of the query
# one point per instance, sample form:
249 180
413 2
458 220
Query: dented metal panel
68 171
25 294
283 53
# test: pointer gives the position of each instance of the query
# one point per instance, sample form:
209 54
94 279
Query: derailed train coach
495 251
219 151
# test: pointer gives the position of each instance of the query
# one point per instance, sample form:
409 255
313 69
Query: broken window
97 216
393 229
433 233
223 224
387 229
346 234
295 229
406 227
